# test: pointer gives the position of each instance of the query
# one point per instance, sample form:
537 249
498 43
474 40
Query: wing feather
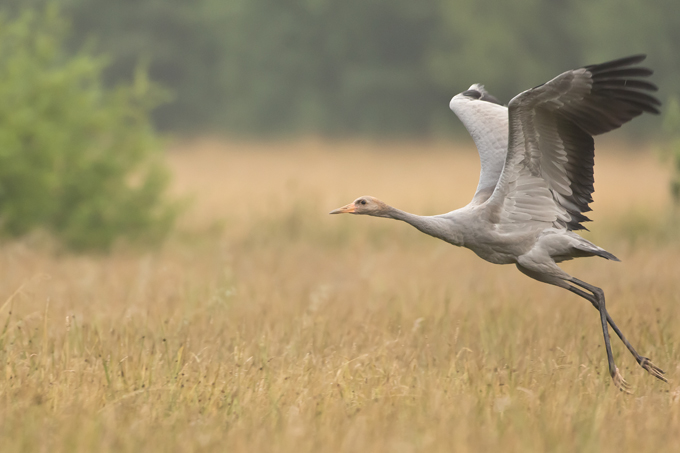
547 178
487 122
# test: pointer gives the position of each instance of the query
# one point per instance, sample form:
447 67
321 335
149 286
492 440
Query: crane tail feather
607 255
590 251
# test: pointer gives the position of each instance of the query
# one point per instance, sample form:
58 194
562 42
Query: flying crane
536 178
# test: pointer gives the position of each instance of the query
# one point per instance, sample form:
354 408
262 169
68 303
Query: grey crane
536 177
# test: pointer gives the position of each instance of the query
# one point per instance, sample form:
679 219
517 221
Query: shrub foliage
76 158
672 128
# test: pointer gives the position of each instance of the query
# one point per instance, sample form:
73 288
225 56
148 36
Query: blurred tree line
359 66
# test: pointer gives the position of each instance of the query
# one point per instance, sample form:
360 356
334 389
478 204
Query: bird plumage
536 179
551 150
487 124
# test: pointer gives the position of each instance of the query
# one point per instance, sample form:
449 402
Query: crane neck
437 226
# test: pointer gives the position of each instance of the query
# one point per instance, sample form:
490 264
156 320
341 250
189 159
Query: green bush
76 158
672 128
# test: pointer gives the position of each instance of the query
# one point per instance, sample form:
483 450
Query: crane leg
644 362
598 298
595 296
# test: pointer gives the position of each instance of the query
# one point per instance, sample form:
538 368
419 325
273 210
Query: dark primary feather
568 111
625 61
617 95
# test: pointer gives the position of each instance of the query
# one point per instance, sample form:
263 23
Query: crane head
365 205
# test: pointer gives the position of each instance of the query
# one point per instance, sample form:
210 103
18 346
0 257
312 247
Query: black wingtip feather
618 63
619 81
617 73
615 83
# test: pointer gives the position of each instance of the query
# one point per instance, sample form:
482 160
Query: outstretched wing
548 173
487 122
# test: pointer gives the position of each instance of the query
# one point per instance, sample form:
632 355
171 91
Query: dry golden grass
267 325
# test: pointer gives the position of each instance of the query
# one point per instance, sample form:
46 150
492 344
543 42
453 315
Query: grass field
264 324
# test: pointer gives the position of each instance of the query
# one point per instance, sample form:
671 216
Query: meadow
264 324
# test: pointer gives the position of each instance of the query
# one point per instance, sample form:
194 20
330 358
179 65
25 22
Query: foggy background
359 67
170 279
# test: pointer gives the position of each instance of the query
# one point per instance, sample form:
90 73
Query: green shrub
76 158
672 128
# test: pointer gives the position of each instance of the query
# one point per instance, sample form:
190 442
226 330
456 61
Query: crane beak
349 209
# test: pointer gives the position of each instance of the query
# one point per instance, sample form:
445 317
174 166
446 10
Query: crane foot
620 382
652 369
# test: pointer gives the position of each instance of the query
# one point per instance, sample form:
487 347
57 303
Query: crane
536 178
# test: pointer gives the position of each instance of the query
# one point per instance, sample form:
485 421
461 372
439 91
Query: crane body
536 180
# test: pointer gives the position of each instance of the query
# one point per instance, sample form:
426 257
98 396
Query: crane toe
652 369
620 382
